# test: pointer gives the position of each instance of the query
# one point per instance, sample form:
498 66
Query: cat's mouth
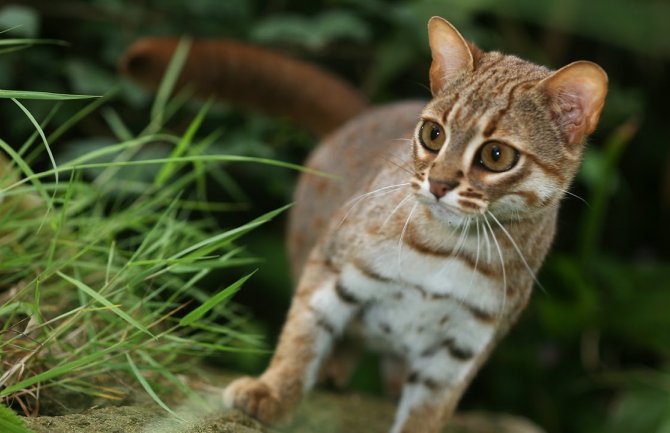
447 213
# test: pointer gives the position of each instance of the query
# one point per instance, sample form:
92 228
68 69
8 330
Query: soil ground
322 412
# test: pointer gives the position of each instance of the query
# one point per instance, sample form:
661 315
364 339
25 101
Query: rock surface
322 412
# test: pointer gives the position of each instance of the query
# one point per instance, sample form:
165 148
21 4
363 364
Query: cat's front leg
424 406
318 315
435 384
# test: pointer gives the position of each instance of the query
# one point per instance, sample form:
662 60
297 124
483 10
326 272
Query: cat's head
501 135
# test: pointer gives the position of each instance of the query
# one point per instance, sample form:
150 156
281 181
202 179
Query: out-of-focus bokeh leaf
19 20
642 410
312 32
88 78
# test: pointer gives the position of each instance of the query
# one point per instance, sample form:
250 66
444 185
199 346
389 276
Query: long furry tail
251 77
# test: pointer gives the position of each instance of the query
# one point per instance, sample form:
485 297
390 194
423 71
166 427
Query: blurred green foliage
592 353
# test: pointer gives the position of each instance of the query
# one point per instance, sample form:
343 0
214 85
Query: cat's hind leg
339 367
394 374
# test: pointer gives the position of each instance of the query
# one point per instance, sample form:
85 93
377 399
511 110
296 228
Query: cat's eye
498 157
431 136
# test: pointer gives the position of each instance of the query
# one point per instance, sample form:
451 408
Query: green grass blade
168 82
42 96
10 422
39 130
215 300
63 369
116 124
147 387
117 148
106 302
195 158
11 42
182 147
593 224
74 119
30 176
157 161
166 373
28 143
233 233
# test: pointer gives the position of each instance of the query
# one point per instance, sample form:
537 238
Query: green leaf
215 300
106 302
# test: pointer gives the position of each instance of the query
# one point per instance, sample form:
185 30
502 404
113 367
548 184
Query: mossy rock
322 412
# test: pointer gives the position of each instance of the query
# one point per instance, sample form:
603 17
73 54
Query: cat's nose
440 188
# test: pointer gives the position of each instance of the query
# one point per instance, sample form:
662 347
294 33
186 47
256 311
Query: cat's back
378 139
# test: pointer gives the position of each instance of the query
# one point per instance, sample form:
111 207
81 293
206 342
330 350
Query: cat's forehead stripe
493 122
449 106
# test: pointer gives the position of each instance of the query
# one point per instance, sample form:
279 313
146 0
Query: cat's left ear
578 93
451 53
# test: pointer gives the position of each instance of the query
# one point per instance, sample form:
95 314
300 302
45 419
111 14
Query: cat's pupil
496 153
434 133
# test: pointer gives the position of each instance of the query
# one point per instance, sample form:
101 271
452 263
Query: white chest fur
411 302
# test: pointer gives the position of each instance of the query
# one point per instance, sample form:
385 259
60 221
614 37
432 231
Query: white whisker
488 243
565 191
450 237
355 199
474 270
518 250
388 218
378 192
502 264
404 229
463 237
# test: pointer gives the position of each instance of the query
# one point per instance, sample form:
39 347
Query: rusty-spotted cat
428 245
433 264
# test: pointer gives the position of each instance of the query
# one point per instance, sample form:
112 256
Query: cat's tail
251 77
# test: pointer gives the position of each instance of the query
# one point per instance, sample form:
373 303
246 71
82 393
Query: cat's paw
255 398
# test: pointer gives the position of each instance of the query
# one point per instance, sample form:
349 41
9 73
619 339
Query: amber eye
498 157
431 136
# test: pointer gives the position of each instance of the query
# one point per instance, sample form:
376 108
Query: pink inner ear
578 91
571 116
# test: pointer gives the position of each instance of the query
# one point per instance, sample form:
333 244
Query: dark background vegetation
591 353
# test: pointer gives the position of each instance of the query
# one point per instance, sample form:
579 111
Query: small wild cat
427 246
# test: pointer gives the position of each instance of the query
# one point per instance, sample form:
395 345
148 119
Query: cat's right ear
451 53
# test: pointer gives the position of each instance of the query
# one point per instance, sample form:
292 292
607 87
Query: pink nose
440 188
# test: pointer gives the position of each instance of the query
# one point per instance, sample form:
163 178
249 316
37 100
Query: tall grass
101 273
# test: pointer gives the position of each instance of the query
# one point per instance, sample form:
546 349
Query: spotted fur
429 256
